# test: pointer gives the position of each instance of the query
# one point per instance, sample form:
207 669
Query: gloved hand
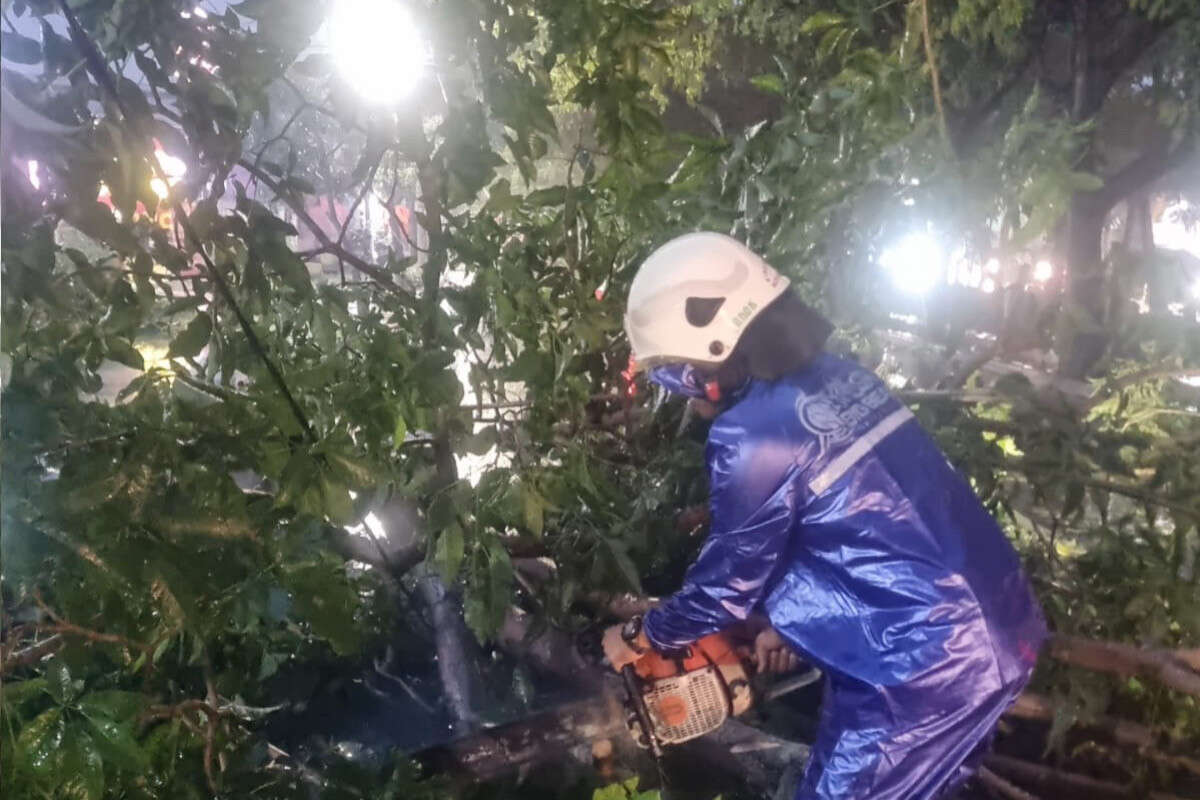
772 654
617 650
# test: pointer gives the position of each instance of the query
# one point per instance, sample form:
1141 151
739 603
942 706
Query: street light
376 48
1043 271
916 263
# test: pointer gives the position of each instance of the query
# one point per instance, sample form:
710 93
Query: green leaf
115 742
59 683
287 265
192 339
448 554
39 745
203 216
82 767
769 83
323 597
625 790
123 352
113 703
17 693
339 506
324 332
489 590
624 563
354 469
533 507
19 49
820 21
400 431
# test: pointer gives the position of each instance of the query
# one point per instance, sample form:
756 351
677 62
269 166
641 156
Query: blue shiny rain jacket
837 516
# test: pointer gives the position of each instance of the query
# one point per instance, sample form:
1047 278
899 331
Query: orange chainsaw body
692 693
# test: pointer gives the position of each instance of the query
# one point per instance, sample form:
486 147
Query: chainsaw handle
638 701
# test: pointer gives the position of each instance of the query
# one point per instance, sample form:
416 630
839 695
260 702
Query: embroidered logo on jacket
844 408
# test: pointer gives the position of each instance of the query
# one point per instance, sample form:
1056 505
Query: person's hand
617 650
772 654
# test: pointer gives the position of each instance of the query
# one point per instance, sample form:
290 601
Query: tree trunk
1083 339
455 651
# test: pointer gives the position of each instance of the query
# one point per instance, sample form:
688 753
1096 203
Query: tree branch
994 781
62 626
380 276
1132 379
1144 740
1126 661
1056 782
1141 172
32 654
934 77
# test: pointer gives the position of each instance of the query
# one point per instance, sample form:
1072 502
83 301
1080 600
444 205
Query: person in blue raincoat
835 515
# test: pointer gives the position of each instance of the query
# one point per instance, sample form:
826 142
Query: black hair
785 337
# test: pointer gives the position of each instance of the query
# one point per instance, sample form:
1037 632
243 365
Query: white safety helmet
694 296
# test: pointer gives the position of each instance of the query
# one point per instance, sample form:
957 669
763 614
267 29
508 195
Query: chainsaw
676 697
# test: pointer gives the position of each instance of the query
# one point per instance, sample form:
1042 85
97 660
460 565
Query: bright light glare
33 174
174 168
376 48
1043 271
915 263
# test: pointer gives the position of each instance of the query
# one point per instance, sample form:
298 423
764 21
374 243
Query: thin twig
32 654
63 626
934 77
380 276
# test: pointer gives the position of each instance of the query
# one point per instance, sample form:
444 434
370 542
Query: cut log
1157 745
1166 666
1003 787
1055 783
564 732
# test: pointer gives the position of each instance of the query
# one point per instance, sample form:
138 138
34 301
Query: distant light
374 525
1043 271
33 174
992 266
376 48
989 285
174 168
916 263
